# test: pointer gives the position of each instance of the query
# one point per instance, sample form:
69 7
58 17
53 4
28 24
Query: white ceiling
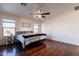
55 9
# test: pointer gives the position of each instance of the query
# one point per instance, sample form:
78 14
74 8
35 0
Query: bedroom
55 22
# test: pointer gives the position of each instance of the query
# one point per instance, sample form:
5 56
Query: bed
27 37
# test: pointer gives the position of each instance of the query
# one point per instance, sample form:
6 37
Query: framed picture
26 25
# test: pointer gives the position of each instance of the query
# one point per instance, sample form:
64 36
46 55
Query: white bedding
22 40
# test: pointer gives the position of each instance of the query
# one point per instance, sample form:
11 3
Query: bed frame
27 39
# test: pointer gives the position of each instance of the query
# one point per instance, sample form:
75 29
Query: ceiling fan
38 14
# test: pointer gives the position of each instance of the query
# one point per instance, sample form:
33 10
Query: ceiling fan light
39 16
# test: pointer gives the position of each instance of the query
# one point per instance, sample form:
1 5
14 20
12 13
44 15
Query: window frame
36 28
8 27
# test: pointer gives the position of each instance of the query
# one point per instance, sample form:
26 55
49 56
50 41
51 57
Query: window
35 28
8 27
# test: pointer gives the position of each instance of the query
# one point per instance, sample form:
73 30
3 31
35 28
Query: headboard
23 32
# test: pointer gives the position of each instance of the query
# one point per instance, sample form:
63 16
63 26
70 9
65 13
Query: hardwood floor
48 48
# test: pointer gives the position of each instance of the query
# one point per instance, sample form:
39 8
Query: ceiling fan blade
45 13
31 14
43 16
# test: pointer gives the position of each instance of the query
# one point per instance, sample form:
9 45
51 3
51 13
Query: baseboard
64 42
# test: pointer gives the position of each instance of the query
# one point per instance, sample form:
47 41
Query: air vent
23 4
77 8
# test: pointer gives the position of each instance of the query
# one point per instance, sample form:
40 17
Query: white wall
64 28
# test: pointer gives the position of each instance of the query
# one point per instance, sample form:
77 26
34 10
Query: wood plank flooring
45 48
